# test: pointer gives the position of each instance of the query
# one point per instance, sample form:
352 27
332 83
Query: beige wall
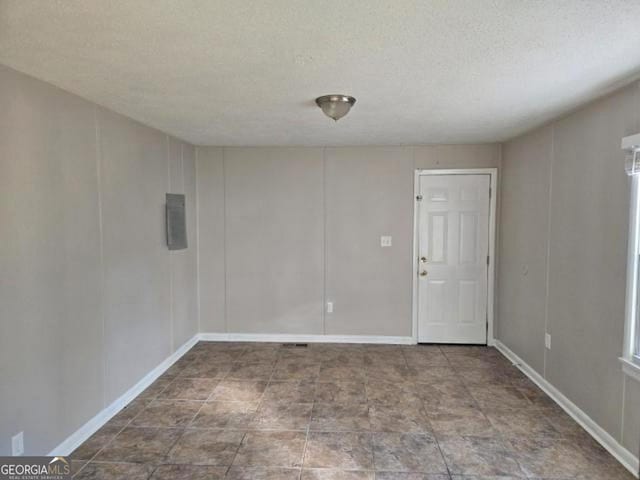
564 226
90 298
524 224
282 230
274 248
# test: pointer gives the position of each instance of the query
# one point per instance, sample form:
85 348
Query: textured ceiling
245 72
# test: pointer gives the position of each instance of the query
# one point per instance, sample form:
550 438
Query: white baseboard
294 338
624 456
83 433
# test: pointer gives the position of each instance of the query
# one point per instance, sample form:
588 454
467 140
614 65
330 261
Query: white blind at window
632 162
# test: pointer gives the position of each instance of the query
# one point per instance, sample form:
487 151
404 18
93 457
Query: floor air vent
295 345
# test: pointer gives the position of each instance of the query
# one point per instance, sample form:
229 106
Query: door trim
493 178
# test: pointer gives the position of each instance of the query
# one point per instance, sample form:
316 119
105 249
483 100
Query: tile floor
342 412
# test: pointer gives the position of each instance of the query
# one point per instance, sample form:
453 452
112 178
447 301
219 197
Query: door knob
423 259
423 273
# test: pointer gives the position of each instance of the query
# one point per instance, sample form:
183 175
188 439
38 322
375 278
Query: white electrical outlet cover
385 241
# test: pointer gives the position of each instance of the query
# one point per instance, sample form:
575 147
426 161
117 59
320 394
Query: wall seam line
224 239
98 153
197 205
184 190
624 396
170 255
324 241
548 256
497 243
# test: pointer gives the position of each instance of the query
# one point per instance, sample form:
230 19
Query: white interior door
453 239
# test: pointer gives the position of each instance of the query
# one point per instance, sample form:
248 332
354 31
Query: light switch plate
547 341
329 307
385 241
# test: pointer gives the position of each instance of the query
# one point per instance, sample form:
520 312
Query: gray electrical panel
176 222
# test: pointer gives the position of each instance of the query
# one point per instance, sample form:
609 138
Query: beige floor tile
417 476
297 391
493 477
206 447
189 472
332 474
430 375
562 422
456 420
128 413
298 353
402 452
398 418
139 445
393 393
230 415
254 371
342 451
446 392
114 471
342 373
239 391
263 473
343 358
288 370
282 416
493 397
389 373
521 424
341 392
550 458
383 359
205 369
188 389
471 455
77 465
600 461
167 413
334 417
95 442
271 449
175 369
483 376
268 355
153 390
425 356
536 396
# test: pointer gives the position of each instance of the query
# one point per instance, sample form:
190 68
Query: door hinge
488 260
490 192
419 198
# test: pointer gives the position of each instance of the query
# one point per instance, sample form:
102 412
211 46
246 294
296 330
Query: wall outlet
547 341
17 444
385 241
329 307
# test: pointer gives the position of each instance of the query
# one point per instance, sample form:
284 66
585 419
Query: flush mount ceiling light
335 106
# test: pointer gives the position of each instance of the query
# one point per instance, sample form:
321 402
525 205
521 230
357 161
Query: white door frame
493 175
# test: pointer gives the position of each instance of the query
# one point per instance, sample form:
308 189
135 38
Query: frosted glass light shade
335 106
